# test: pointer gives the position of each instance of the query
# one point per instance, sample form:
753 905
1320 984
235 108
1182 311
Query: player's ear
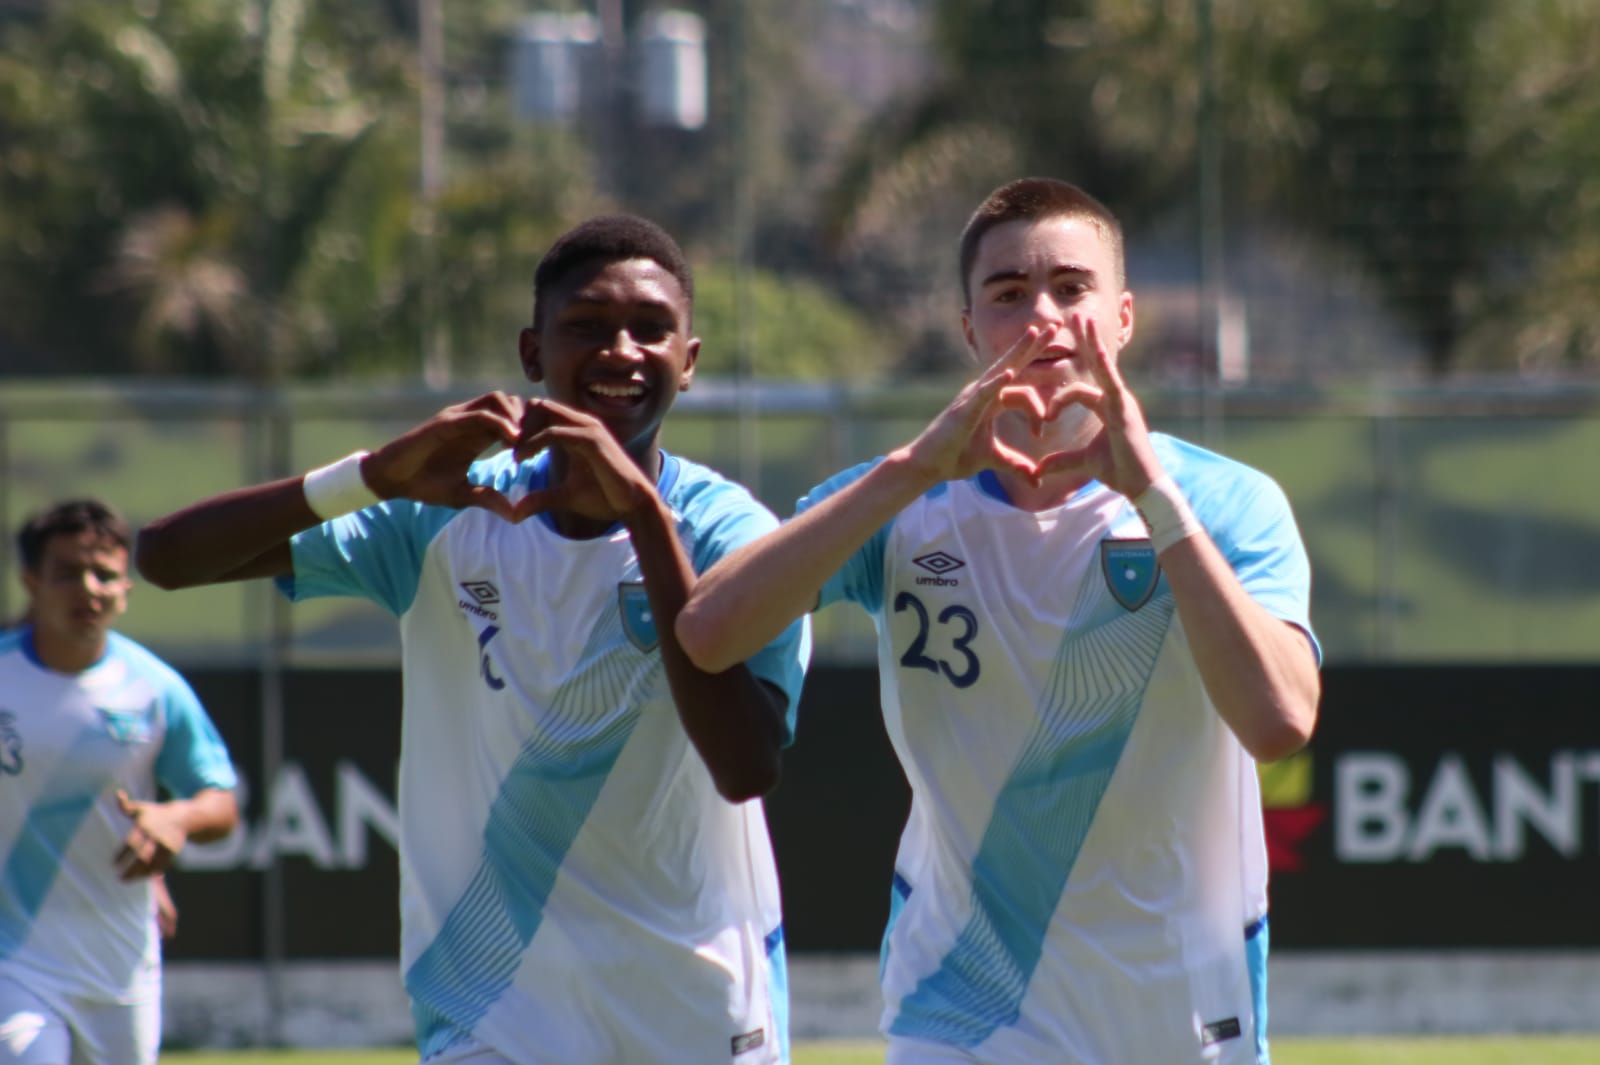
528 351
691 355
966 331
1125 320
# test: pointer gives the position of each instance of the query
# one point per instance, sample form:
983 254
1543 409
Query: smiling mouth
616 393
1052 358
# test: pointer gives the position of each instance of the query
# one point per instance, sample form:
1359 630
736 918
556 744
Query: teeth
618 391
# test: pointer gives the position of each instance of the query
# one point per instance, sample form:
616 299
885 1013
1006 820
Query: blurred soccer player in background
585 869
90 724
1087 634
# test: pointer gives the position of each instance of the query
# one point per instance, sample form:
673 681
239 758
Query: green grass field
1500 1050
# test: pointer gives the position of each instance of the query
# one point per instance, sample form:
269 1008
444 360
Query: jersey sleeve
719 518
1249 518
193 756
376 553
860 579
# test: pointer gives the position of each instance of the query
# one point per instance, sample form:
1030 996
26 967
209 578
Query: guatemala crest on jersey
638 621
129 727
1131 571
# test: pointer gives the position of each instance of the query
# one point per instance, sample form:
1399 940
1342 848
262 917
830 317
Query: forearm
743 602
729 716
239 534
1259 670
206 816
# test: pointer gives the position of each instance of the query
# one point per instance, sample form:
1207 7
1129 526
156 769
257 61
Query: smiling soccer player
585 869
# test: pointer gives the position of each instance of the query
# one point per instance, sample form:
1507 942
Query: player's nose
1047 311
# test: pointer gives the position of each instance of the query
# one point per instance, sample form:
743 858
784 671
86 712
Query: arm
245 533
1259 670
746 599
743 602
734 720
160 829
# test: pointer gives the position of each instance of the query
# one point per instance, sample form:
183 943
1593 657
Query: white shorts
60 1030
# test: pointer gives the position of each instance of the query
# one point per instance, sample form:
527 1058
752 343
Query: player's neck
1063 434
577 527
61 654
1049 493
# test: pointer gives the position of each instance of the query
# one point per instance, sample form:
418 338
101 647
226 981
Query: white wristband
338 488
1166 514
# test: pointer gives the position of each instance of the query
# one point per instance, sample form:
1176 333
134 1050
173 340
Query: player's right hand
962 440
429 463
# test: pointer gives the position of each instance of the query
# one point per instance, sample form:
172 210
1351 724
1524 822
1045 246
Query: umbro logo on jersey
939 563
483 592
483 595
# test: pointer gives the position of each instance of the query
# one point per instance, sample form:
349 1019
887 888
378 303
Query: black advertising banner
326 820
1441 806
1437 807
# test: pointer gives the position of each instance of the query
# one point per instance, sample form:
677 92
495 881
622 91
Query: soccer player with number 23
1088 634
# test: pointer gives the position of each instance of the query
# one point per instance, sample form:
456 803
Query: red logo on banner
1289 815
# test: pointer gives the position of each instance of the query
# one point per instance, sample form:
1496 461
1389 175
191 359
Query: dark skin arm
245 533
733 719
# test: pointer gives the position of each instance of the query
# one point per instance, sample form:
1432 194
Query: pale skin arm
746 599
734 720
159 830
1259 670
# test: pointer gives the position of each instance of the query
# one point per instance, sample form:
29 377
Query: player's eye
650 332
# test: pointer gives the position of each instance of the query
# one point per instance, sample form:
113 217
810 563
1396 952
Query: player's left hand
155 838
602 482
1120 455
166 909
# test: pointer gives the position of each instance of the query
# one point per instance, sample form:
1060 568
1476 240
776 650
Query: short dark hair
70 518
607 239
1032 200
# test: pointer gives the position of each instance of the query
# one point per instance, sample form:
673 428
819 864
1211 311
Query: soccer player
585 869
1087 634
90 723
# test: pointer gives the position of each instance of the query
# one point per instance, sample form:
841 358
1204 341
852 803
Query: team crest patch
127 727
1131 571
638 621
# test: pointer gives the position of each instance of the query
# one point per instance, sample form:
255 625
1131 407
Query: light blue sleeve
860 579
193 756
376 553
1249 518
719 517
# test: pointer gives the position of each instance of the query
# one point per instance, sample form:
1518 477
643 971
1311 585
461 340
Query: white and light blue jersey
1083 873
573 888
69 926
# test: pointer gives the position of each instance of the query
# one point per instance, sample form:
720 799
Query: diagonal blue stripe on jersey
52 821
1041 818
542 804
